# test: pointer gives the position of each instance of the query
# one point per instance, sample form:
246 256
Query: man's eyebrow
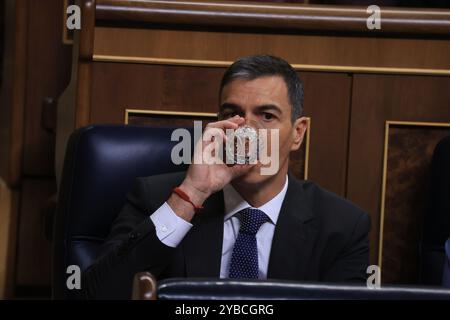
264 107
230 106
269 107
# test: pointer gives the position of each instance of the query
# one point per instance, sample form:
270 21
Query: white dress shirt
171 229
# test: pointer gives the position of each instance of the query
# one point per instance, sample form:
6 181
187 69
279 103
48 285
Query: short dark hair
256 66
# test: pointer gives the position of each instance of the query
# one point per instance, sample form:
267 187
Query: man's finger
231 123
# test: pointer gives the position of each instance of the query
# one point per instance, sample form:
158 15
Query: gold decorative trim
6 215
214 115
303 67
383 185
383 195
65 35
308 142
169 113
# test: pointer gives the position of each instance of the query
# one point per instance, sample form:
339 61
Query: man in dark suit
251 225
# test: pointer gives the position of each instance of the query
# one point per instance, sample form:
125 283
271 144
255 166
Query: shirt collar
233 203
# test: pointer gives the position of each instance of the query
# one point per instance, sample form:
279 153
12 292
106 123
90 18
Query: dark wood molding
87 29
288 17
86 51
144 286
13 92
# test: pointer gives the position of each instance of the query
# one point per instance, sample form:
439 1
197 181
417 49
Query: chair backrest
437 218
100 166
229 289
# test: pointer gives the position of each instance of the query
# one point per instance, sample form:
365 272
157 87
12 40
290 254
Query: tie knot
252 220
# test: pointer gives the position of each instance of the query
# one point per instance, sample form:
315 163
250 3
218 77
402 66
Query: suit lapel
203 245
294 236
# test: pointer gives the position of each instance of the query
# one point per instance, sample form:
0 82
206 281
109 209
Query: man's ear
298 131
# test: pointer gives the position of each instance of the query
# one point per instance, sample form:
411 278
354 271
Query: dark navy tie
244 259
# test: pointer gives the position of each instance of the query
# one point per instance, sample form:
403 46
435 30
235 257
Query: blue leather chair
446 275
437 219
100 166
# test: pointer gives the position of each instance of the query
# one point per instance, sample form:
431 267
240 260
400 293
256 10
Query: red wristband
185 197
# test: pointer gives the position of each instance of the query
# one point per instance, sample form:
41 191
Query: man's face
265 101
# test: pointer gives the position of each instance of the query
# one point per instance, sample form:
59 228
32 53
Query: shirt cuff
170 228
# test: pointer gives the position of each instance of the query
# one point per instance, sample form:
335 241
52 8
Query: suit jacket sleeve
132 246
351 264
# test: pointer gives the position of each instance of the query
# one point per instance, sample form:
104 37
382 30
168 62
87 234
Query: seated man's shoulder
332 209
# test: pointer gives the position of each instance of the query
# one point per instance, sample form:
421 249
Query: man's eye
227 115
267 116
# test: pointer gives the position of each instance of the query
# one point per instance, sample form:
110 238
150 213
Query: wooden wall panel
12 100
153 87
376 99
33 248
409 150
48 74
2 36
9 204
327 103
36 70
5 218
307 51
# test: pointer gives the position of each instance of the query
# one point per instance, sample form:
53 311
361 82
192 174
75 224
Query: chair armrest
144 286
